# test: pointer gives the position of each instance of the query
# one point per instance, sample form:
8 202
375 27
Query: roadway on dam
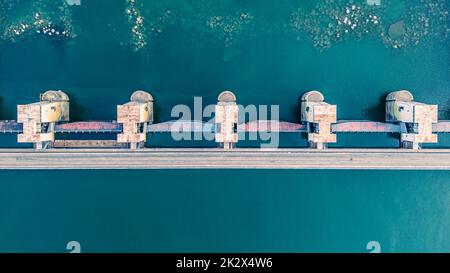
207 158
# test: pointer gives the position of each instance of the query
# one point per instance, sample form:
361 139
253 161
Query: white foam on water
374 2
74 2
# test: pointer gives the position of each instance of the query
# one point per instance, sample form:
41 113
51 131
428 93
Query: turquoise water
266 53
200 211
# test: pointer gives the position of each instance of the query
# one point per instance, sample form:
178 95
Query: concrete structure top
226 97
402 95
141 96
135 116
226 120
313 96
52 95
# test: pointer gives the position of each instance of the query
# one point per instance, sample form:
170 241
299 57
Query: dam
413 122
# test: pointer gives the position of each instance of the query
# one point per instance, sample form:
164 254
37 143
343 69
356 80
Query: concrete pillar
39 118
226 120
135 116
415 118
319 116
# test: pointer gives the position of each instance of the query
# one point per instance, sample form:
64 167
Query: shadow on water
444 111
376 112
157 111
5 112
296 111
77 111
2 109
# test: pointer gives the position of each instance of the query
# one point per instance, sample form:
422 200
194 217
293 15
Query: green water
186 211
267 53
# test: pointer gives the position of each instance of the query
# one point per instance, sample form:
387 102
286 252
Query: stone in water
397 30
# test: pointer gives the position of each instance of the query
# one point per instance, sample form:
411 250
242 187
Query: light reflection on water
397 24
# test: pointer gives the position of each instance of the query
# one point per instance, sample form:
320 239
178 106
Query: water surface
267 53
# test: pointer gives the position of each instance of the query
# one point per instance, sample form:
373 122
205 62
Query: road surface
392 159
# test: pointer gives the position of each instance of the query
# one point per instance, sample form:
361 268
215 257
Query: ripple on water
37 18
395 23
